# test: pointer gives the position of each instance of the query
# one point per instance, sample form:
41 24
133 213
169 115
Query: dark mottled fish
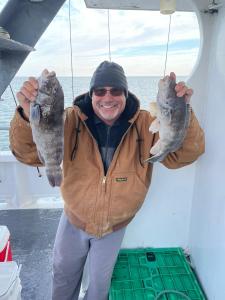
46 118
173 115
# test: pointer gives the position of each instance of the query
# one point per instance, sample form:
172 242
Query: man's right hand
27 93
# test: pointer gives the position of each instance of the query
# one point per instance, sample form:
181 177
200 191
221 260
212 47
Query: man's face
108 103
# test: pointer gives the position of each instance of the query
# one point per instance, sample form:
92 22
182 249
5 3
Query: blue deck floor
32 238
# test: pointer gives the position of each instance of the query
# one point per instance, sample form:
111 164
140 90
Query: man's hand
27 93
182 89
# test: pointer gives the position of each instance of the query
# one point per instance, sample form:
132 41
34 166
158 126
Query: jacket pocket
127 194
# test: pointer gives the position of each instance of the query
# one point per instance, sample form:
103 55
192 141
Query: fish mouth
48 74
167 83
166 80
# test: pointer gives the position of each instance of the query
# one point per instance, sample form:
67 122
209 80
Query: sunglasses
100 92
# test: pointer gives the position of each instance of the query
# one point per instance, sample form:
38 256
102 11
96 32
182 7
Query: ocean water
145 88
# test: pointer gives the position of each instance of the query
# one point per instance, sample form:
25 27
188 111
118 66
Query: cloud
138 41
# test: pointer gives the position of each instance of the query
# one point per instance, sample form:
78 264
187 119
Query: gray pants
72 245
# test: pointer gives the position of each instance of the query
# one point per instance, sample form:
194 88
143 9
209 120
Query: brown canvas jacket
95 202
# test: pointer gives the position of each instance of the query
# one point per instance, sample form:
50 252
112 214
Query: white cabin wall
164 219
207 223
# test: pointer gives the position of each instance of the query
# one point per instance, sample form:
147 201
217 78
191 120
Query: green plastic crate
150 272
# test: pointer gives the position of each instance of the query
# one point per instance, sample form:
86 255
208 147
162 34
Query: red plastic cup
5 248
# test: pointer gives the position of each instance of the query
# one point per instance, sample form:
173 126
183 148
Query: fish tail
157 157
54 174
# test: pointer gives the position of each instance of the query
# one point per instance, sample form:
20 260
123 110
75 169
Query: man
105 179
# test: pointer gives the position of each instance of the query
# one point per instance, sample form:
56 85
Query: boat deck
32 238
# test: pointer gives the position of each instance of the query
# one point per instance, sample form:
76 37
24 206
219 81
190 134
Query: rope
171 292
77 129
39 173
167 46
13 94
109 38
71 49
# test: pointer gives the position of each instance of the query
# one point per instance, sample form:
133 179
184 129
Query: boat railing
4 127
21 186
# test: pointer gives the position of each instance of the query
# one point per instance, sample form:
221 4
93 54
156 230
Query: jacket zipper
104 184
103 171
107 142
114 158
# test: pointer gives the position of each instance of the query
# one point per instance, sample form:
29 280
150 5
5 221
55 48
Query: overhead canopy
182 5
25 21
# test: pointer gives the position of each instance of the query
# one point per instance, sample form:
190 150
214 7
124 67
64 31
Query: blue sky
138 42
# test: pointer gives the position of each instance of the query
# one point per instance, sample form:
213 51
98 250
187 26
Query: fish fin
41 157
54 176
153 109
59 155
158 157
157 153
35 114
55 180
64 117
155 125
156 148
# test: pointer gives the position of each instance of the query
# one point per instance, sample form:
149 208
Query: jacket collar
83 104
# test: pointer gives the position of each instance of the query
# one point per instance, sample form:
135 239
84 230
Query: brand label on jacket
120 179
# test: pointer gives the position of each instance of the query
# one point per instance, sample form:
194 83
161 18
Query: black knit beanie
109 74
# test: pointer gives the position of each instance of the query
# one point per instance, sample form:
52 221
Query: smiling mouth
108 106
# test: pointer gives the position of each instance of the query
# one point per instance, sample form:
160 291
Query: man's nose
108 95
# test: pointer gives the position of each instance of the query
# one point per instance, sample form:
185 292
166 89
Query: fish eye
55 90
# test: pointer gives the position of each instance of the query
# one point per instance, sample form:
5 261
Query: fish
173 118
47 125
